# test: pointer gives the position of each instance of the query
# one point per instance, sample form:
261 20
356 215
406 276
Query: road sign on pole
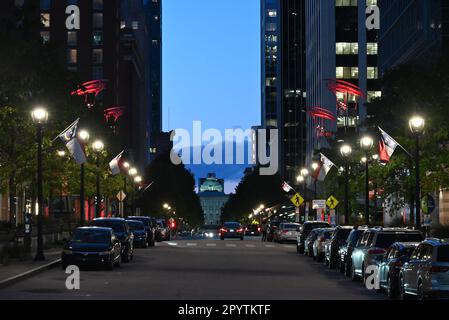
297 200
121 196
332 202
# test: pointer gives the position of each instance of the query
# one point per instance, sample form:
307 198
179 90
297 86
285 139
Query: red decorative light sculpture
90 90
348 90
319 116
114 113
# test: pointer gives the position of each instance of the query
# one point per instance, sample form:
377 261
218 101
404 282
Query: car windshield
91 236
385 240
443 254
232 225
291 226
407 252
117 226
311 226
146 222
135 225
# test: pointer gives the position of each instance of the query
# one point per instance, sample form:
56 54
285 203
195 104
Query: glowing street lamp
367 143
40 118
417 125
346 152
98 147
84 136
132 172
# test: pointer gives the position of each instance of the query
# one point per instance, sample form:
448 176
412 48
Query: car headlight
67 252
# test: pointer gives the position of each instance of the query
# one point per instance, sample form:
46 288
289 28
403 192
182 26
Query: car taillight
240 230
376 251
223 230
439 269
258 229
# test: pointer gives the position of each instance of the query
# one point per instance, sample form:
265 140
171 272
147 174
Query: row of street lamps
40 118
417 125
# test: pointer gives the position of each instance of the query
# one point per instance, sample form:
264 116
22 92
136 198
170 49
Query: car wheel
110 265
151 243
300 249
402 294
354 276
326 262
342 267
119 261
127 255
391 291
421 296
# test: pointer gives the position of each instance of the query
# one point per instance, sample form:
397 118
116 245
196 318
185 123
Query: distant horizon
212 74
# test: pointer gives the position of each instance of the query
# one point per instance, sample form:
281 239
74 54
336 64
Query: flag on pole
116 164
387 146
286 187
70 138
324 168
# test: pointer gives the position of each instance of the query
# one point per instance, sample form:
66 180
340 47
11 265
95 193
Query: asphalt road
199 270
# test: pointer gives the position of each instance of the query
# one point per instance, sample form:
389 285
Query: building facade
283 80
212 198
414 30
339 48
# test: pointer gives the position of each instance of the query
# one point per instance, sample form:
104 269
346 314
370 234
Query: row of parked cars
401 261
108 242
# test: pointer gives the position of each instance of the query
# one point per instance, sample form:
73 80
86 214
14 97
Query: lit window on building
347 48
72 56
371 48
45 35
272 13
372 73
97 38
373 95
72 38
45 18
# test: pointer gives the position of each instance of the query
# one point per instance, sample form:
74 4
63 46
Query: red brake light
240 230
376 251
223 230
258 229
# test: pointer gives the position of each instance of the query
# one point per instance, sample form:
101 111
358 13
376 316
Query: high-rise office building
283 80
412 31
118 41
340 51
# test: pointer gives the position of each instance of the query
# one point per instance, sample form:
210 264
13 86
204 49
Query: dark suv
121 231
346 250
305 230
338 239
150 227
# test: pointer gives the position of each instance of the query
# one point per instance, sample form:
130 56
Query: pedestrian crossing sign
332 202
297 200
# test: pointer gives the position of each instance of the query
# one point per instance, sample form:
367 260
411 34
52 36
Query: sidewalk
19 270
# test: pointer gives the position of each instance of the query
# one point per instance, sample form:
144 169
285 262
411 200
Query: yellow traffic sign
297 200
332 202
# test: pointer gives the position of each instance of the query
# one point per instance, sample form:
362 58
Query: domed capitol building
212 198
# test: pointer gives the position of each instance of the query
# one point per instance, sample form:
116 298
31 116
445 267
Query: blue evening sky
211 68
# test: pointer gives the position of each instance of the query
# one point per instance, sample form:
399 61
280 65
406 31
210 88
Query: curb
28 274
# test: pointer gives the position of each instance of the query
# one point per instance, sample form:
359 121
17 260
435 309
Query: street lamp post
346 152
367 143
40 118
98 146
84 137
417 125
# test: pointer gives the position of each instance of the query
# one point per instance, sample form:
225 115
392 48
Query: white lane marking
250 245
191 244
211 244
269 246
172 243
231 245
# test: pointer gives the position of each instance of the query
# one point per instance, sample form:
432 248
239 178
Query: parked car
324 235
305 230
121 231
391 264
426 274
287 231
232 230
346 250
92 246
373 246
150 227
308 243
140 234
332 247
272 227
252 230
162 230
